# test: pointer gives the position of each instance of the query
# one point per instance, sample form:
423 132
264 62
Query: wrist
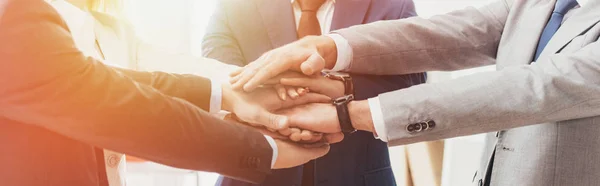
339 89
360 115
226 100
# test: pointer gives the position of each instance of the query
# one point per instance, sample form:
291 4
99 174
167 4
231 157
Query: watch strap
341 105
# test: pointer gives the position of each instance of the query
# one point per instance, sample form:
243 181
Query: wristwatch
341 105
344 77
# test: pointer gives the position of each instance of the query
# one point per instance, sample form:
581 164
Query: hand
319 117
293 154
293 134
257 107
293 92
308 55
314 83
322 117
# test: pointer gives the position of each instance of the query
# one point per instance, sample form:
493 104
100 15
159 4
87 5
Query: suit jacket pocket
380 177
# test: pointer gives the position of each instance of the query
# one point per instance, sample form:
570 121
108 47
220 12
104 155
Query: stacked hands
284 95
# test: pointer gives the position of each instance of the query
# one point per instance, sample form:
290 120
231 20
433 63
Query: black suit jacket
242 30
57 107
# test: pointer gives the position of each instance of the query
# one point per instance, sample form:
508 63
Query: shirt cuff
215 96
344 53
274 147
377 117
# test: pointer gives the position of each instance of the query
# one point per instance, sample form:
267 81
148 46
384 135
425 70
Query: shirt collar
582 2
73 16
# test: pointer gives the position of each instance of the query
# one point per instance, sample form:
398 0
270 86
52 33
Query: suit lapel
575 25
525 30
349 12
278 17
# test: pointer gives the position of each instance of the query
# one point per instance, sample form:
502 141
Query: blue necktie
560 9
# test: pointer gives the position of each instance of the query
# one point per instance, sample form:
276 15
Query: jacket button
112 160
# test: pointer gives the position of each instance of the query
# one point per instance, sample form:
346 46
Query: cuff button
418 127
431 124
411 128
424 126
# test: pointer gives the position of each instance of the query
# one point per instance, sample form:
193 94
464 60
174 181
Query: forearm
223 49
360 115
194 89
561 87
459 40
49 84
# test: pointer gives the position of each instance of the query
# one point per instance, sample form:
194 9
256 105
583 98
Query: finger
295 136
334 137
281 92
255 125
308 98
265 73
316 137
274 135
272 81
316 152
285 132
314 63
271 120
245 77
315 145
292 92
301 91
306 135
302 82
234 79
236 72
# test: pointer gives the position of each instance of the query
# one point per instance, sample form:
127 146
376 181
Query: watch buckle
343 99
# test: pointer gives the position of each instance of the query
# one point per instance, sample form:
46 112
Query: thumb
292 154
315 152
273 121
315 63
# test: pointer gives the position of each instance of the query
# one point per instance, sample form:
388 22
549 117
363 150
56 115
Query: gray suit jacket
57 107
549 108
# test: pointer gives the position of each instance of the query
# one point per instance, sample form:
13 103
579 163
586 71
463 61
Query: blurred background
178 26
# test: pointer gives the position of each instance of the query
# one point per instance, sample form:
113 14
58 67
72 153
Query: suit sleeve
556 88
150 58
408 9
48 83
458 40
219 41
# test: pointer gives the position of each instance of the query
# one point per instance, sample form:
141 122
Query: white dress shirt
324 14
344 61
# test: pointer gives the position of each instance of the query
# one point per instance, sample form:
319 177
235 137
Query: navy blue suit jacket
242 30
